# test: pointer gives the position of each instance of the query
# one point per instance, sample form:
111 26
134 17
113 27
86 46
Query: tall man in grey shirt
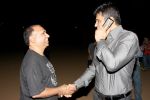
114 57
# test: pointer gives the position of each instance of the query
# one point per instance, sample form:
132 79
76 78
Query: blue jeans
146 61
137 81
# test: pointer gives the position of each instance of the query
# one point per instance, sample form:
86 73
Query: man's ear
112 18
31 39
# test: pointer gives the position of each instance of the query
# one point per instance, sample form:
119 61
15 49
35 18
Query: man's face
99 20
40 37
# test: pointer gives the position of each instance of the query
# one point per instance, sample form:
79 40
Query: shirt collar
115 32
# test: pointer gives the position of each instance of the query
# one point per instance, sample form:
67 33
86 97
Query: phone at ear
107 24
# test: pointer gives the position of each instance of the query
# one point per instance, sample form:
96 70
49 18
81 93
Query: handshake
66 90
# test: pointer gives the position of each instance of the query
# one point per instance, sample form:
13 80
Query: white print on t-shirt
52 70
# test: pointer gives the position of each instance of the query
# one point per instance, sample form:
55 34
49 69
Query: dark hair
27 34
108 10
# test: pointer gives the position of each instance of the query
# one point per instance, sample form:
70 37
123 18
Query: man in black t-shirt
37 74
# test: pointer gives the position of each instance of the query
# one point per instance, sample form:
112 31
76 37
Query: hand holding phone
102 33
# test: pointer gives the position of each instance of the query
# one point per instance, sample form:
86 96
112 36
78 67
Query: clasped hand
67 90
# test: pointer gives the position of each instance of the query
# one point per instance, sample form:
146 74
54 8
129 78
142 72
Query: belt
116 97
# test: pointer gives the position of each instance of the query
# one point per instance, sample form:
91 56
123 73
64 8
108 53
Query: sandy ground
69 65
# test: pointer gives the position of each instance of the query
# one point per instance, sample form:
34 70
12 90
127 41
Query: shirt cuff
79 84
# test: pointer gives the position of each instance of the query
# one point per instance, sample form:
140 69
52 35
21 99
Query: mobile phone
107 24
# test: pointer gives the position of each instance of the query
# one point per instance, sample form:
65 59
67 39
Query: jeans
137 82
146 61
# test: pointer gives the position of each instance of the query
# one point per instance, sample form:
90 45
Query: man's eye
44 32
99 21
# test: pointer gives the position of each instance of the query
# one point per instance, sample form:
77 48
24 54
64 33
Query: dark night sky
69 23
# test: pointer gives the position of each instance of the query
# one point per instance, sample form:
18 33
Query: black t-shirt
36 73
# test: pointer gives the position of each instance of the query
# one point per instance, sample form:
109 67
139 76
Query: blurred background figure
146 52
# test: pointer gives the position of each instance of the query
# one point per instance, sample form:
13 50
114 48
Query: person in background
137 82
91 48
114 57
37 74
146 52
